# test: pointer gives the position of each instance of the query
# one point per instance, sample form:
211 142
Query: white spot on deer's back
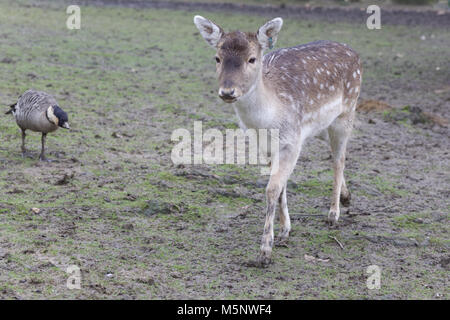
354 75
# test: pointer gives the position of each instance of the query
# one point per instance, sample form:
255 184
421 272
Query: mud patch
332 15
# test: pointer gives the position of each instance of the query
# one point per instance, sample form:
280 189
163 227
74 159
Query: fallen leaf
65 179
373 106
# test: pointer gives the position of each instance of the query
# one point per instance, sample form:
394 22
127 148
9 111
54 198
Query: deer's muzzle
228 94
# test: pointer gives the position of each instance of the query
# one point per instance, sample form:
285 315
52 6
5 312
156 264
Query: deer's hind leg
339 132
283 212
345 194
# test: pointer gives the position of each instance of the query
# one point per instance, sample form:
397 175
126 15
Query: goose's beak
66 125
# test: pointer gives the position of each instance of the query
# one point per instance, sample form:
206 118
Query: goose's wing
33 100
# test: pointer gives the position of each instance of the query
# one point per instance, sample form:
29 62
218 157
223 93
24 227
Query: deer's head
238 55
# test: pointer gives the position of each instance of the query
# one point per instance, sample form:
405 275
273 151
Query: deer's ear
268 33
210 31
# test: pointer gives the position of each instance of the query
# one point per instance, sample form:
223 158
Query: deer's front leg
281 170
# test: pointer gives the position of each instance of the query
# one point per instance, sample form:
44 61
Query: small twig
358 213
298 216
338 242
384 209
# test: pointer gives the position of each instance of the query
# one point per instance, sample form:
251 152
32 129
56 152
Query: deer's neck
257 108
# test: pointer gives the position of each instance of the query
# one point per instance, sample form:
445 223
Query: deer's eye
252 60
217 59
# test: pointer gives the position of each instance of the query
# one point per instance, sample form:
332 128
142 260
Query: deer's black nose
227 93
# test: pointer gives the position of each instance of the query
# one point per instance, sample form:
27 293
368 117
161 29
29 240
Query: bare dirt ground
331 13
141 228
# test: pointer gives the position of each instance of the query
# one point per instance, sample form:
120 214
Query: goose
38 111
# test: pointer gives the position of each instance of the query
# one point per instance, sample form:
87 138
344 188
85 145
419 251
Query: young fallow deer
300 90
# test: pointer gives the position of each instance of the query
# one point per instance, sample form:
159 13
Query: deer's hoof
333 217
282 240
345 199
264 259
282 243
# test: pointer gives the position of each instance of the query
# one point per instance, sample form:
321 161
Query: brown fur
235 49
297 70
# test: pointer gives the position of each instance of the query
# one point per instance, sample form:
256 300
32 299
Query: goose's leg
42 156
24 150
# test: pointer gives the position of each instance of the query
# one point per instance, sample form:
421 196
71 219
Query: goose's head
58 117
